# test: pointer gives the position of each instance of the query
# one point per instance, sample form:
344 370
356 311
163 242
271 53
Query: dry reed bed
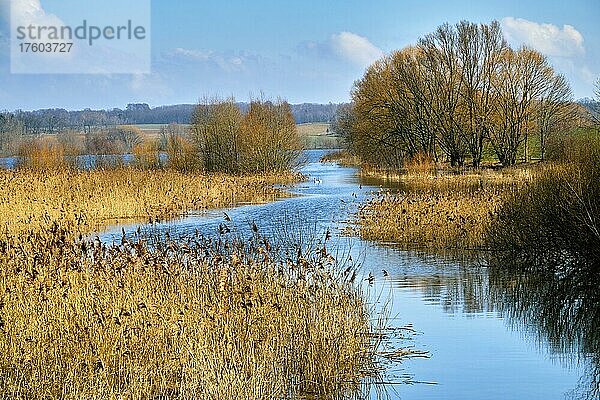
93 199
449 211
415 179
194 318
156 318
343 158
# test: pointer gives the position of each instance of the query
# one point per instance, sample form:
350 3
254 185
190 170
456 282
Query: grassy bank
153 317
190 318
540 215
438 211
93 199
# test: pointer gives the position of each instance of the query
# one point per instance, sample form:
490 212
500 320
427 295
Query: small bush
147 155
42 153
554 222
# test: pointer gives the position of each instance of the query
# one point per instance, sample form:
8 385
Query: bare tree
479 49
269 137
215 131
554 110
343 122
460 88
520 81
444 84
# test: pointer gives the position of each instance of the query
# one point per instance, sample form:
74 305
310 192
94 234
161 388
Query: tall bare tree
520 81
554 110
479 50
459 89
443 85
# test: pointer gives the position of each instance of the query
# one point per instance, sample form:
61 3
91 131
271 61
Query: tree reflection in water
560 310
563 311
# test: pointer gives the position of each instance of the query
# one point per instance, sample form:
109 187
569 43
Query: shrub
179 148
42 153
269 138
265 139
147 155
554 222
216 132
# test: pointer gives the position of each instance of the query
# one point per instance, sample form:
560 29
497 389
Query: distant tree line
459 91
221 138
18 124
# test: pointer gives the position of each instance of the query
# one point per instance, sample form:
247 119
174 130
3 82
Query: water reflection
491 334
563 313
560 316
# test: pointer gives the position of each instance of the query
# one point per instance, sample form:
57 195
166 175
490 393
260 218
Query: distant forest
48 121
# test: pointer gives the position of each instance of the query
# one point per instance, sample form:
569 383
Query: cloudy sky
304 51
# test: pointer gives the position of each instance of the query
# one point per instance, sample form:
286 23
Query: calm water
489 336
86 161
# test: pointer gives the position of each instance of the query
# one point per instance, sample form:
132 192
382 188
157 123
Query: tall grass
160 318
438 211
94 199
187 318
451 220
147 154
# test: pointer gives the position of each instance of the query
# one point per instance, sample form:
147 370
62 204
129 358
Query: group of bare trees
263 139
460 90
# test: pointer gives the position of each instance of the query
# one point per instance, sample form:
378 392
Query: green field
314 135
318 136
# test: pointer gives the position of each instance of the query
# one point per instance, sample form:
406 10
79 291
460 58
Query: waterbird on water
371 278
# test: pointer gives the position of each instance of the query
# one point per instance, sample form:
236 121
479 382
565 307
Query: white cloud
26 12
355 48
228 63
549 39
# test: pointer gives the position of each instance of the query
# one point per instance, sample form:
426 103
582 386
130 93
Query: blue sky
304 51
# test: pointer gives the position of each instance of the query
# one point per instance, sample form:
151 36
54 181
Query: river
486 336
